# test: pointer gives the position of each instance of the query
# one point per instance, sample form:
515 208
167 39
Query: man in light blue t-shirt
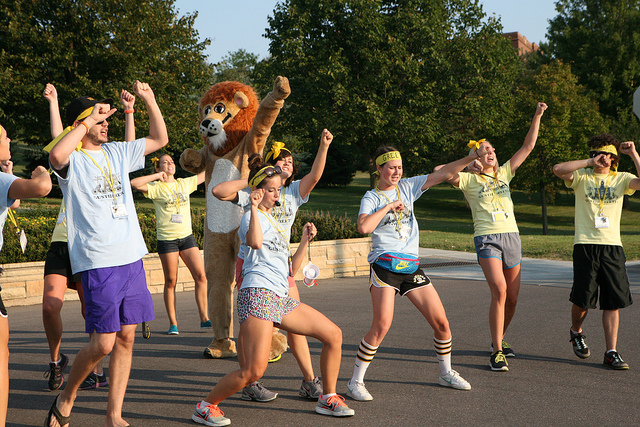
105 242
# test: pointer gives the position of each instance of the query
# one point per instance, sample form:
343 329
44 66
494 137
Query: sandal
54 412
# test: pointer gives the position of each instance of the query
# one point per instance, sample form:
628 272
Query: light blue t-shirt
385 237
5 182
96 239
267 267
290 202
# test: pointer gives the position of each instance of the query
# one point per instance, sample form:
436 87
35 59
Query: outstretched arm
7 167
38 186
629 148
128 102
51 94
140 183
254 234
228 190
565 170
530 140
311 179
158 136
451 170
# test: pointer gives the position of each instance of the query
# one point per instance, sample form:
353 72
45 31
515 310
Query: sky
240 24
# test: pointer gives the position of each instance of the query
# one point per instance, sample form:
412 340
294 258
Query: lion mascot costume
233 126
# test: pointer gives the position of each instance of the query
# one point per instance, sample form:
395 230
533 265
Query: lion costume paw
220 349
278 345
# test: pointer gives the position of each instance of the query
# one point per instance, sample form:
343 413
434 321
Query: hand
143 91
38 171
101 112
128 100
540 108
7 167
475 166
396 206
162 176
484 149
628 147
256 197
602 161
326 138
50 93
310 230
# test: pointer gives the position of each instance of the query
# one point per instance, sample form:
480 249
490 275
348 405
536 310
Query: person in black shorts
598 257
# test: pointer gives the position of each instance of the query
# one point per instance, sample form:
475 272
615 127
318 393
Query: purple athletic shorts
115 296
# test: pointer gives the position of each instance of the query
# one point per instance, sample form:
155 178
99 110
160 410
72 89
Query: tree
601 41
571 119
97 48
236 66
422 75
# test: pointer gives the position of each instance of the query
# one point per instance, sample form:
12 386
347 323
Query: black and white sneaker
55 372
498 362
506 349
580 347
613 360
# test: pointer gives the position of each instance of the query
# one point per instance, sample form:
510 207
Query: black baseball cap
78 105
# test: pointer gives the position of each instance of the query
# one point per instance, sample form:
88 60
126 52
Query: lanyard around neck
279 229
282 213
604 193
496 198
108 178
397 214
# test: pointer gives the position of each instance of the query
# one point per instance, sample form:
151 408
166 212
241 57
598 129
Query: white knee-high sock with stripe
443 351
365 355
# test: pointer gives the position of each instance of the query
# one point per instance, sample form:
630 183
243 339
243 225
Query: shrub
330 227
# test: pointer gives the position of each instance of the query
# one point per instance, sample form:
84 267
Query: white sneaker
357 391
453 379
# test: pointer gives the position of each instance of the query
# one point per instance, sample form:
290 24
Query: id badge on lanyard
118 210
602 222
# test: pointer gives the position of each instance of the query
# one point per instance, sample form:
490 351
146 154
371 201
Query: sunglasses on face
597 153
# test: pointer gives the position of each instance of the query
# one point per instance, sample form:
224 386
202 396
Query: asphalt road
546 384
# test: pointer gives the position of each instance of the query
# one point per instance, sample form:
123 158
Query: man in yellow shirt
598 257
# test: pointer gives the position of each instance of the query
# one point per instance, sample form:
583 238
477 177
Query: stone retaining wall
22 283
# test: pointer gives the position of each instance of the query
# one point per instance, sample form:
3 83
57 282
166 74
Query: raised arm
629 148
451 170
140 183
38 186
158 136
254 234
128 102
311 179
59 156
565 170
309 231
228 190
55 122
530 140
474 166
7 167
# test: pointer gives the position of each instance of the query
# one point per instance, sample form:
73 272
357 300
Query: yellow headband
384 158
274 153
68 129
474 145
608 149
258 177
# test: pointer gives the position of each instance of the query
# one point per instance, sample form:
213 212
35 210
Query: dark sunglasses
597 153
273 170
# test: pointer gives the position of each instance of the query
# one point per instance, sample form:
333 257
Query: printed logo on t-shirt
102 188
277 244
602 192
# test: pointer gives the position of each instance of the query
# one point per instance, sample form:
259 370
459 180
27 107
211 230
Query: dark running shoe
506 349
55 372
94 381
613 360
580 348
498 362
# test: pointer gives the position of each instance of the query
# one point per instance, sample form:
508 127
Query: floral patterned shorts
264 304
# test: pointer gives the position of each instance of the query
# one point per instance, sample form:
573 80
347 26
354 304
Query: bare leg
300 346
55 285
305 320
383 300
427 301
119 370
256 337
578 314
193 260
4 369
512 276
610 323
170 268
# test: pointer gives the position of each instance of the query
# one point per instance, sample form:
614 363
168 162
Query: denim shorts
177 245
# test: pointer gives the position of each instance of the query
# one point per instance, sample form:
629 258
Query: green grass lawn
445 220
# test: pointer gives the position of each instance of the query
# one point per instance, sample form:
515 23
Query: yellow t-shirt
60 229
589 195
490 201
164 199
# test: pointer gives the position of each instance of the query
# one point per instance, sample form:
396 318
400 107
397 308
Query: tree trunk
543 200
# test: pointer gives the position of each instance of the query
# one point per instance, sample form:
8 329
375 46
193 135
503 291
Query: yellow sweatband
384 158
258 177
608 149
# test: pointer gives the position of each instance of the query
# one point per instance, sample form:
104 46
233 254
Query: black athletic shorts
58 262
600 268
402 283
